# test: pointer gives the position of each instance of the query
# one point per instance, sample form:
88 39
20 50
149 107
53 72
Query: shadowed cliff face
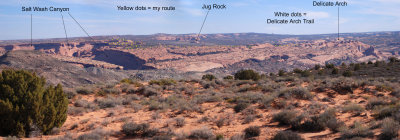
127 60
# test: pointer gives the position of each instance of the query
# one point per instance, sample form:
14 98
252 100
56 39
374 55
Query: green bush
25 103
281 73
329 66
393 59
126 80
335 71
229 77
208 77
317 67
131 82
297 70
357 67
247 75
163 82
305 73
347 73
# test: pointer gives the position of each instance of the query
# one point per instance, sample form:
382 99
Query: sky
101 17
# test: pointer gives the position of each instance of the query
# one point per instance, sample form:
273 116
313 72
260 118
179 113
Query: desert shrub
229 77
81 103
328 119
312 124
287 135
329 66
285 117
252 131
237 137
84 90
202 133
131 82
395 92
357 67
70 93
297 70
55 131
390 129
299 93
97 134
126 80
393 59
247 75
240 106
163 137
75 110
208 77
179 122
163 82
373 102
24 99
221 121
108 102
203 119
327 115
385 111
150 132
305 73
11 138
281 72
377 64
208 84
133 129
155 105
266 101
129 98
335 71
148 91
247 88
347 73
383 87
219 137
334 125
353 108
315 123
199 99
357 130
249 119
111 90
342 85
317 67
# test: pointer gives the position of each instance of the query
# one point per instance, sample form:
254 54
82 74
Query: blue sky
101 17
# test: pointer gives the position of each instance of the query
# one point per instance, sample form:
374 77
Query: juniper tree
26 102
